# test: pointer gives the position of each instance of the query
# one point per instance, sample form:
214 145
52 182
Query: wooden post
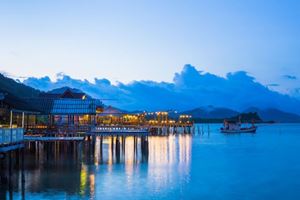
23 175
27 121
11 119
23 118
112 145
10 184
118 149
49 120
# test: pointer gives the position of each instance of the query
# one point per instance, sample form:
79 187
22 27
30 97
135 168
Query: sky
151 40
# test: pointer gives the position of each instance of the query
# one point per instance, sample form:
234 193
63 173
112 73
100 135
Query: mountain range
265 115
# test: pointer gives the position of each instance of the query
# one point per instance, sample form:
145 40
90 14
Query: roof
65 106
111 111
44 105
73 106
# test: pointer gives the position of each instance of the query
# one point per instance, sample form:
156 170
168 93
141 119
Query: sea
203 165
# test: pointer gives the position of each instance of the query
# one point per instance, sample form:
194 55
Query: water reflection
78 169
165 154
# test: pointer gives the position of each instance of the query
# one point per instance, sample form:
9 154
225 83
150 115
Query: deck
49 139
118 131
11 139
139 130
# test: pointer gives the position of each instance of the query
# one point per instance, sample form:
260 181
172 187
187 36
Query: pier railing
148 129
11 136
121 129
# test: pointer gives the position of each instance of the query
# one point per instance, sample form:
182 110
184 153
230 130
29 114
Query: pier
119 131
145 130
48 139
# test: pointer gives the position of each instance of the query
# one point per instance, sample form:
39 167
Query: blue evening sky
134 40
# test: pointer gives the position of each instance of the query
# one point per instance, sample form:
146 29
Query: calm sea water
206 165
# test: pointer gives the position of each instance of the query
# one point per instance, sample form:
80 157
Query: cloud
190 88
290 77
273 85
295 93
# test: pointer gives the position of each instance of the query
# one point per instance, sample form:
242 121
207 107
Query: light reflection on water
207 165
74 170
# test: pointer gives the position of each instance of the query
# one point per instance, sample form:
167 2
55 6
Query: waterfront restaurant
65 110
113 116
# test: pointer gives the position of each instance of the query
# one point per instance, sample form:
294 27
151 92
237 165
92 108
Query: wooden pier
49 139
76 133
142 130
119 130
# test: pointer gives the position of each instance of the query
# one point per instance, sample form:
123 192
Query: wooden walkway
118 131
39 138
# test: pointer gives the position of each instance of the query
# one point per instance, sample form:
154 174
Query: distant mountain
248 117
15 93
211 112
216 114
275 115
20 90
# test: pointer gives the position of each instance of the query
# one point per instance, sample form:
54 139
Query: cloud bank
190 88
290 77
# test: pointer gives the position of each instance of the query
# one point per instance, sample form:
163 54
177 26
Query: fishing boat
237 127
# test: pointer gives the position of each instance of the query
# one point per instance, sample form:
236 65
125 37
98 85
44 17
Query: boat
237 127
